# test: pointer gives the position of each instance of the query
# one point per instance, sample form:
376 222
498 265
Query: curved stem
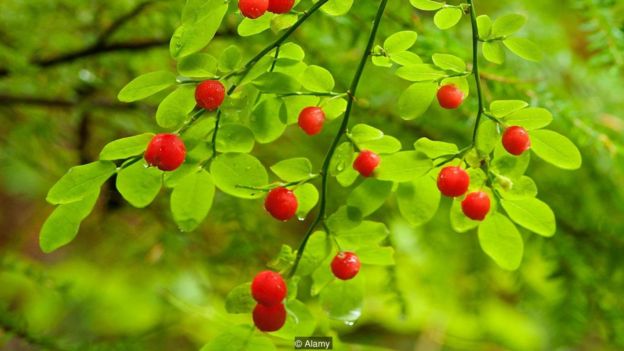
341 132
475 69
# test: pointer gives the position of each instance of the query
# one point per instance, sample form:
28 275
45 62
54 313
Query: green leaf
530 118
139 184
416 99
400 41
192 36
487 137
63 224
381 61
524 48
282 22
317 249
342 159
174 109
276 82
493 52
240 338
191 200
362 235
234 137
299 321
449 62
532 214
317 79
521 188
344 218
343 300
80 181
447 17
502 108
369 195
405 58
363 132
146 85
403 166
249 27
500 239
459 222
507 25
384 145
198 65
233 172
268 120
420 73
378 256
293 169
556 149
333 107
229 59
427 5
510 165
434 149
418 200
126 147
239 299
337 7
484 24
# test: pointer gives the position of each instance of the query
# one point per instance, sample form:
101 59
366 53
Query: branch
475 69
59 103
108 32
92 51
341 132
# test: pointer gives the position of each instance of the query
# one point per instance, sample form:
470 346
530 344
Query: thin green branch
475 68
320 217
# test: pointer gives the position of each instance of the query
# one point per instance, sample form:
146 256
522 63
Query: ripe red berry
253 8
450 97
281 203
453 181
311 120
516 140
345 265
476 205
165 151
281 6
268 288
366 162
269 318
209 94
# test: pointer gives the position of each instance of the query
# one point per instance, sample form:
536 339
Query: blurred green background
132 281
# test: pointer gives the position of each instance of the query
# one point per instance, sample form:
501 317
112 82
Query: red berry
281 203
209 94
268 288
453 181
450 97
269 318
165 151
366 162
311 120
345 265
476 205
516 140
281 6
253 8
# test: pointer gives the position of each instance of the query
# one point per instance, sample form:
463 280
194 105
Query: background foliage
132 280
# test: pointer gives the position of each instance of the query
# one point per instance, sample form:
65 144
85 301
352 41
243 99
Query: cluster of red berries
256 8
167 151
453 182
269 290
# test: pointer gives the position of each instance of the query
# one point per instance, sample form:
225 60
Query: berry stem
341 132
475 68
